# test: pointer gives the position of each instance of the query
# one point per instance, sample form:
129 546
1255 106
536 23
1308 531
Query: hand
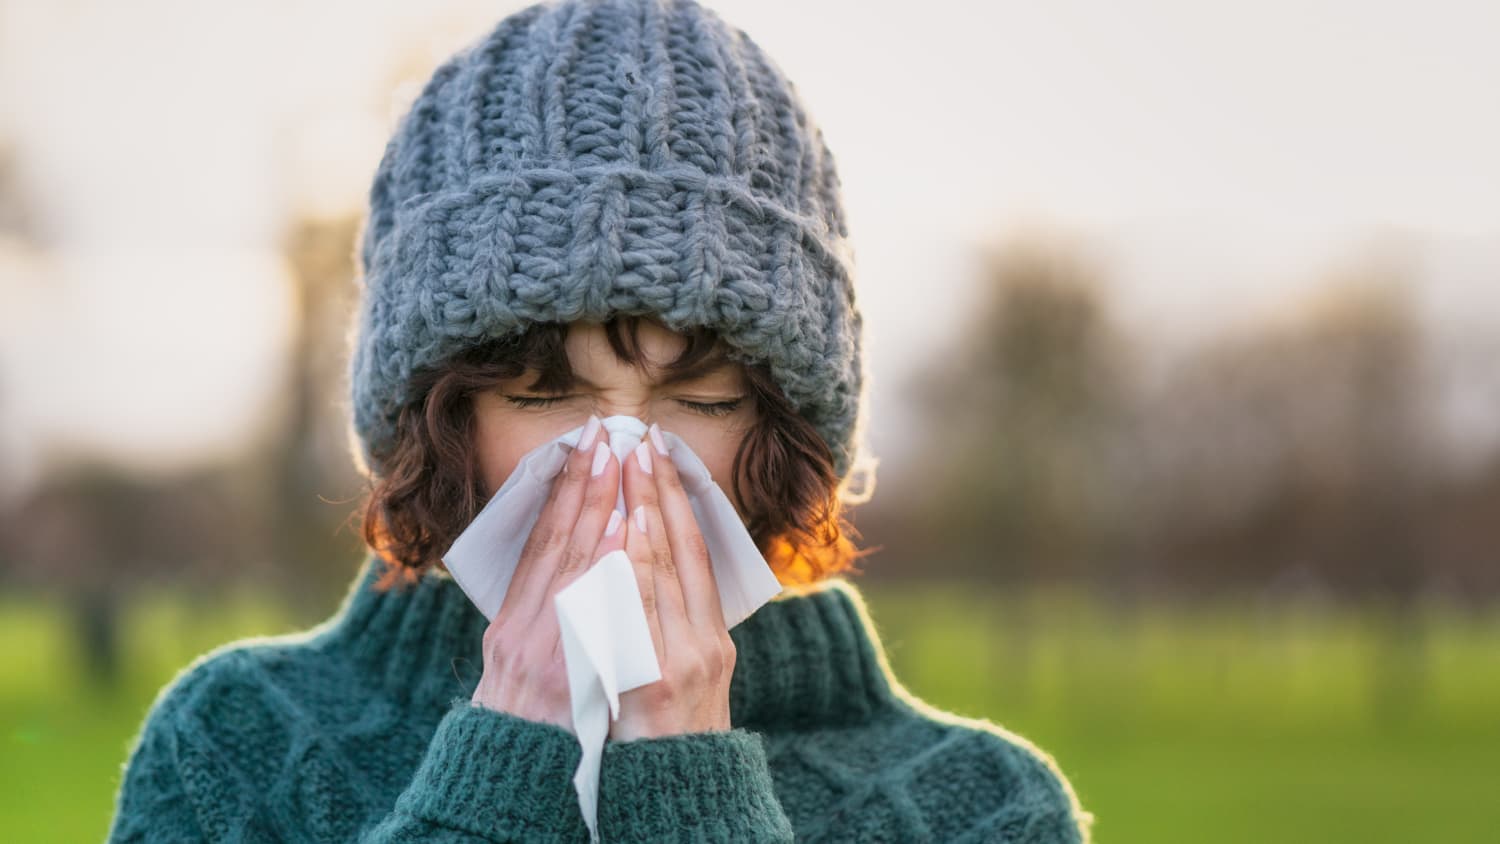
681 598
524 673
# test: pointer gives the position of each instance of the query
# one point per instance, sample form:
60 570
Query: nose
622 428
640 410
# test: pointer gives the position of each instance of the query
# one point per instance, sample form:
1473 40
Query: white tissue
606 638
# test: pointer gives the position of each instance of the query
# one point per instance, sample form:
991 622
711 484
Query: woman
614 207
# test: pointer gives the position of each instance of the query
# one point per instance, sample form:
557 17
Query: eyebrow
702 369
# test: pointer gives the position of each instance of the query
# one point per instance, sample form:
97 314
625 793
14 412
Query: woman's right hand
524 673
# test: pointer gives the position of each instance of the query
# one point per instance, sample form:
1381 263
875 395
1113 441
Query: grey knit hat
595 157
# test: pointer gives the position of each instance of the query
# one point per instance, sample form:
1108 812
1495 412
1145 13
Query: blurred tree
1299 452
1018 471
308 456
1300 445
98 533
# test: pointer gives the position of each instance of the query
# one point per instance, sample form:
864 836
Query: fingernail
643 457
656 439
601 457
589 431
640 516
614 523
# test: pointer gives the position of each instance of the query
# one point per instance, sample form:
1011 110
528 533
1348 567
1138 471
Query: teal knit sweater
362 729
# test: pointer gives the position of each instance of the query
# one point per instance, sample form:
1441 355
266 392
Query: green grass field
1222 723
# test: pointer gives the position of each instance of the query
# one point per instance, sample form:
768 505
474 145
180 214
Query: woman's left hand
681 598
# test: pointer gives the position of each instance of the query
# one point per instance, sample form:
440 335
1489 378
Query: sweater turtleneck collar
809 657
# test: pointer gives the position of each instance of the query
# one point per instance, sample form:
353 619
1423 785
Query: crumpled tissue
606 638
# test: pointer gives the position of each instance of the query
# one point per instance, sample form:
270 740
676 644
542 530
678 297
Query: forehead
590 354
711 366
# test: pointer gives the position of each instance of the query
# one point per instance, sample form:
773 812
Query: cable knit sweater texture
362 729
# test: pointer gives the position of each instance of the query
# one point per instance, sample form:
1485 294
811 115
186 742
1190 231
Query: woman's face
711 411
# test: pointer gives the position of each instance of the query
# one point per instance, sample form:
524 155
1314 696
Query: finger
695 574
598 502
647 518
614 534
642 553
638 549
553 527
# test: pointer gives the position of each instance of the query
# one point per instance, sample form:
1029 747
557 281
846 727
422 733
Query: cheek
715 443
497 459
717 448
500 443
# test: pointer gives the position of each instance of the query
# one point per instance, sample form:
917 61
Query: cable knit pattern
362 729
596 157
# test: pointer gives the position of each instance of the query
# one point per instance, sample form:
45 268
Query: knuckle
713 659
648 496
498 636
573 559
672 481
545 538
601 497
535 540
492 638
708 666
698 667
687 667
664 561
697 546
661 695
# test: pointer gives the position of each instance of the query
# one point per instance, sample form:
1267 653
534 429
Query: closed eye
718 408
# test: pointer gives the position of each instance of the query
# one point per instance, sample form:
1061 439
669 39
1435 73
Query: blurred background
1182 328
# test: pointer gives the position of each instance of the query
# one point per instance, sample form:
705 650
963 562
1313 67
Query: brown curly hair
427 488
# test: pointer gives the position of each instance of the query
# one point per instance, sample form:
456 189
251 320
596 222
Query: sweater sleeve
707 786
490 776
487 776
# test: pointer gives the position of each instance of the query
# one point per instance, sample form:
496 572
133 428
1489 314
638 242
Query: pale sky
1219 156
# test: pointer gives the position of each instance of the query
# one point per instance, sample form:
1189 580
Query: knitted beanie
590 158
